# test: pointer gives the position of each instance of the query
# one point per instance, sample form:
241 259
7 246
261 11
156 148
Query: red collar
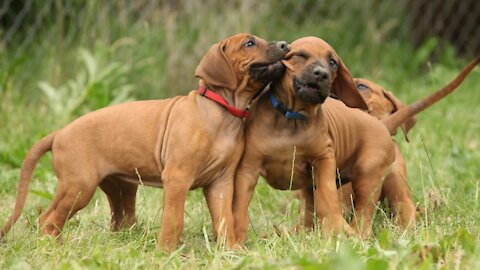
220 100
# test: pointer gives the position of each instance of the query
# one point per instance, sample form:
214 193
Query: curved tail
29 163
393 121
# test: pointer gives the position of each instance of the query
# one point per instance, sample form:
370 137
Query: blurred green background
149 49
63 58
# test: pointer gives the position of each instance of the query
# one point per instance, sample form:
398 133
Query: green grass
51 84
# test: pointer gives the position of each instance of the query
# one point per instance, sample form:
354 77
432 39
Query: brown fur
333 136
395 188
382 104
179 144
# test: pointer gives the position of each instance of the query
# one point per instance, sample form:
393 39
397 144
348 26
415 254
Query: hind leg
397 192
70 197
399 197
121 197
367 190
65 204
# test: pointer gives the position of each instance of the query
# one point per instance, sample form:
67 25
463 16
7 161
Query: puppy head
381 103
243 60
316 70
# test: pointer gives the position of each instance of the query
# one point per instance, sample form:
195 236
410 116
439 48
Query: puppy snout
283 45
321 74
278 50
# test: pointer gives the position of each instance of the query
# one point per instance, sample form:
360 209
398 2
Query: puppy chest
287 173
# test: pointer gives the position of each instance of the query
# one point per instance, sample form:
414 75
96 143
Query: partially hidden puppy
395 190
180 143
297 138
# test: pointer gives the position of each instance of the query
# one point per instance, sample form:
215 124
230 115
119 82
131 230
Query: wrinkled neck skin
238 98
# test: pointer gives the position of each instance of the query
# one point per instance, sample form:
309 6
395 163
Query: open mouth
309 92
266 72
305 86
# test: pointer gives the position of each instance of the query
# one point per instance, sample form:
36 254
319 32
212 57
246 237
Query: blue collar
279 106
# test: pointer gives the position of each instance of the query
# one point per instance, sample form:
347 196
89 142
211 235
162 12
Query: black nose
282 45
320 73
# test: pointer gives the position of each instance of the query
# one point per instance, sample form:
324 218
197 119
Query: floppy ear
287 57
344 88
215 69
397 104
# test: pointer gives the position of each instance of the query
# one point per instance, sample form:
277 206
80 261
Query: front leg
219 196
246 178
176 184
396 190
327 204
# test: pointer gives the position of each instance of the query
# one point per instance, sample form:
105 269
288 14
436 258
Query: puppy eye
361 86
250 43
333 63
301 55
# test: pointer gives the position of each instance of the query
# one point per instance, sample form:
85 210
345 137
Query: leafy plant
96 85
